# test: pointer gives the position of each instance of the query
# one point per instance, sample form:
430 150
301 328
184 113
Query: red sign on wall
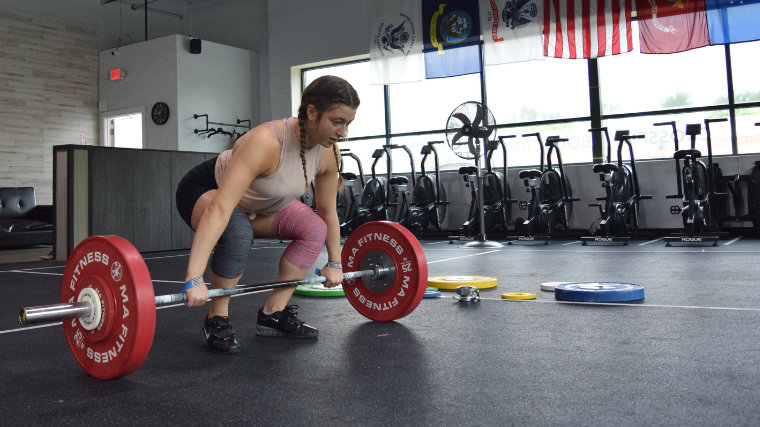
83 138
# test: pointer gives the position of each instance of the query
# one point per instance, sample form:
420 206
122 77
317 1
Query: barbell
108 306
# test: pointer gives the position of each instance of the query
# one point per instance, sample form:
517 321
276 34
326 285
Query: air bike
348 199
551 202
375 194
425 208
620 214
696 187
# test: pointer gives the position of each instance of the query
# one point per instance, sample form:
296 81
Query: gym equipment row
388 198
702 189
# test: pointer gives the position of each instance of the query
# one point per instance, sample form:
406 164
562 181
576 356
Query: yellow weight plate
453 282
518 295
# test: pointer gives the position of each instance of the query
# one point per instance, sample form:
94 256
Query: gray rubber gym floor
688 355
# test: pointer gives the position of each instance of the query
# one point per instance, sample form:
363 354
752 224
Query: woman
252 190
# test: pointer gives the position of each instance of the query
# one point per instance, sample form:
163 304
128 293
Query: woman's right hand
196 296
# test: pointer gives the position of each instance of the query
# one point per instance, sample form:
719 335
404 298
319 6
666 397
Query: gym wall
48 94
221 81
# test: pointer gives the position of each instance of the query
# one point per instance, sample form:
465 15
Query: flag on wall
512 30
587 28
668 27
395 41
733 21
451 38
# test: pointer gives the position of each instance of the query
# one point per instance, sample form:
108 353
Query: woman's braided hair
323 93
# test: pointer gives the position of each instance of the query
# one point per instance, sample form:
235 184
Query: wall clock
160 113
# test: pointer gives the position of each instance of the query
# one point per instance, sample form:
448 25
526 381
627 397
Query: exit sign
118 74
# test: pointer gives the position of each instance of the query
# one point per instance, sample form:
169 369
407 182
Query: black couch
22 221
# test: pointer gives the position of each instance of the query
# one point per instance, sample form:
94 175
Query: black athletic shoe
284 324
219 335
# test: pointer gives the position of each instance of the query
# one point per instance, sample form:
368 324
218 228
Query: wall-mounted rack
209 132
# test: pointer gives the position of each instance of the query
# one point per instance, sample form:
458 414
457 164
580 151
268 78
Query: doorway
123 129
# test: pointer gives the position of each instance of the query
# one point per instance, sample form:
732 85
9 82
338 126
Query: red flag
587 28
669 27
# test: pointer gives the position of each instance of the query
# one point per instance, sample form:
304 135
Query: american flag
587 28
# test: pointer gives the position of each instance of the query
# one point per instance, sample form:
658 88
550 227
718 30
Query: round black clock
160 113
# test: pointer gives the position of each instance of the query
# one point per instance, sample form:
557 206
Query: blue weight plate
432 294
599 292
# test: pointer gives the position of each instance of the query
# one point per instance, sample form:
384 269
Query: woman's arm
326 189
256 153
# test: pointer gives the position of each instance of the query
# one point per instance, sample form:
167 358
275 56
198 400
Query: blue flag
733 21
451 36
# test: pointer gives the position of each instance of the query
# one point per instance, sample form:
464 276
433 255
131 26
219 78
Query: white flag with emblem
395 41
512 30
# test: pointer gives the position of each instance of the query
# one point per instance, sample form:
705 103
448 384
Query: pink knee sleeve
297 222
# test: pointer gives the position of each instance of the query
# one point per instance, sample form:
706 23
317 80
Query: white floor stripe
651 241
463 256
616 304
33 272
571 243
732 241
46 325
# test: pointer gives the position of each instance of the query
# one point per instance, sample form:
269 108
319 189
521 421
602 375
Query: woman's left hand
334 277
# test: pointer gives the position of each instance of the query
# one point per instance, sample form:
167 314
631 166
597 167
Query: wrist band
334 264
193 283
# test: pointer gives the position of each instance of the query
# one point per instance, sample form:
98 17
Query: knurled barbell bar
107 293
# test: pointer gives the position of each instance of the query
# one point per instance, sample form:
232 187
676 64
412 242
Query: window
748 135
745 63
538 90
636 82
552 97
370 118
426 105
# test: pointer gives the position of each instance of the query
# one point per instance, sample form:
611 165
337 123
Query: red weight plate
405 252
121 344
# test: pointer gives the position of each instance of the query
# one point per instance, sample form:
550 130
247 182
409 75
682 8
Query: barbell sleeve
48 313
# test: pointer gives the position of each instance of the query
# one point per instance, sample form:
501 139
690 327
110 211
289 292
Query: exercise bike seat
348 176
680 154
605 168
530 173
399 180
468 170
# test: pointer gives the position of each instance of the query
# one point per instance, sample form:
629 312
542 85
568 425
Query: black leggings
193 185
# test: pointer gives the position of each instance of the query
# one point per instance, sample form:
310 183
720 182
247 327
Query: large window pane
522 152
745 65
370 118
427 105
538 90
748 135
635 82
658 140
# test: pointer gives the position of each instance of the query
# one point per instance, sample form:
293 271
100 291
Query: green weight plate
319 290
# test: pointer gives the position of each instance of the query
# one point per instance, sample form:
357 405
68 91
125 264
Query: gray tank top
270 194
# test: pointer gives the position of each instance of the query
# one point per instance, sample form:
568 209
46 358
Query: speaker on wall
195 45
